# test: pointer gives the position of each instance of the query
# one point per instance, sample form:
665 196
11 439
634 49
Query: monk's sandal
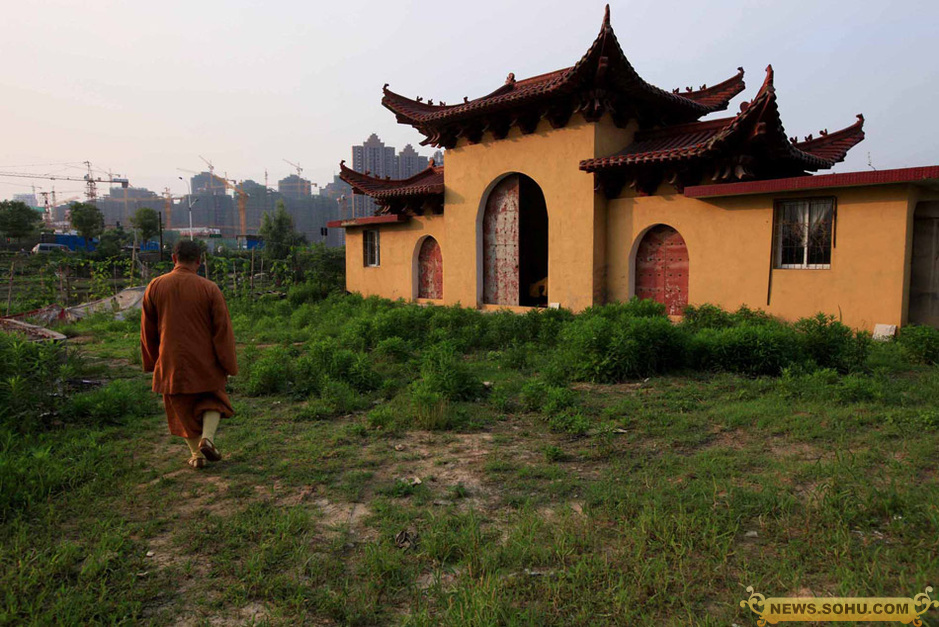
208 449
196 463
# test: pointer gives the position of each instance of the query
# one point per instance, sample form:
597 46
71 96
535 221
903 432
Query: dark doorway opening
515 244
924 273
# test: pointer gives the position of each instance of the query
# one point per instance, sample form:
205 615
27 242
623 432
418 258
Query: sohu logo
875 609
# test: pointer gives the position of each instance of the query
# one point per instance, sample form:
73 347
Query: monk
187 342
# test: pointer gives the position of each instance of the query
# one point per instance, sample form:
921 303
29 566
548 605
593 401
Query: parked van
49 248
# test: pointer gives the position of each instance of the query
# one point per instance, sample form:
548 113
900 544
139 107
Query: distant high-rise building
379 160
438 158
376 159
295 187
120 203
207 183
409 162
29 199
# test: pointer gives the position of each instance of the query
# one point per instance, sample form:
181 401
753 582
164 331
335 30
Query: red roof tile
924 175
427 182
758 120
367 221
602 80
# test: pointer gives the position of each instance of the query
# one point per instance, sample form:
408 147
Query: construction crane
89 179
300 184
297 166
238 188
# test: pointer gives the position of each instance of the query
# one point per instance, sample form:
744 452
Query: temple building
589 185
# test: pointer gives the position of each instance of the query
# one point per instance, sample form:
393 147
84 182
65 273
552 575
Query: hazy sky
144 88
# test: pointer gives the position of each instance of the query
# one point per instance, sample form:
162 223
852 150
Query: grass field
392 464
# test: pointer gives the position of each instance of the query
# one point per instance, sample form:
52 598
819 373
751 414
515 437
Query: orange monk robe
187 341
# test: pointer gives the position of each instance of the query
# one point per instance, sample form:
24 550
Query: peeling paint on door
662 269
500 244
430 270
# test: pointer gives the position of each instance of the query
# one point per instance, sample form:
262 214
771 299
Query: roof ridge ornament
510 79
606 17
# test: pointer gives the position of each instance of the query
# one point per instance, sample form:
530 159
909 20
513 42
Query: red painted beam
928 174
389 219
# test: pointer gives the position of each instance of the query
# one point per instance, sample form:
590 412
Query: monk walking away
187 342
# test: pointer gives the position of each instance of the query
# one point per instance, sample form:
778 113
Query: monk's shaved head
187 251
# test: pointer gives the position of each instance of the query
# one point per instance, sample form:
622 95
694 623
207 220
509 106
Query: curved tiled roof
426 183
758 119
602 80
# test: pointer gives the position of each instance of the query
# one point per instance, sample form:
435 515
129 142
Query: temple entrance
430 270
924 275
515 244
662 268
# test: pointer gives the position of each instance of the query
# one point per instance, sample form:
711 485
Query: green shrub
335 399
554 454
430 408
706 317
602 350
920 344
559 399
754 349
572 423
633 308
270 373
444 372
831 344
382 417
113 403
533 394
394 348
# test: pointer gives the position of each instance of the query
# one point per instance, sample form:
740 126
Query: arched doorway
515 244
924 273
430 269
662 268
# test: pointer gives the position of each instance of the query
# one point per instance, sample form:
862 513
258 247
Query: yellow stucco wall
729 246
399 244
576 216
592 241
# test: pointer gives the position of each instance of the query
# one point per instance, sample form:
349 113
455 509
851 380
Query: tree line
19 221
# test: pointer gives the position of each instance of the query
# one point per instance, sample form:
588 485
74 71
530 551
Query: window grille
804 233
371 250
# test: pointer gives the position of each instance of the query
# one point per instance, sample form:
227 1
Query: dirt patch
734 439
781 447
446 461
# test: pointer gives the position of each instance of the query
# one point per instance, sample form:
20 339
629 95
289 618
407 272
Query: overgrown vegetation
398 464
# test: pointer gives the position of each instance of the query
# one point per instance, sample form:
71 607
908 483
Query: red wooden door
500 244
430 270
662 269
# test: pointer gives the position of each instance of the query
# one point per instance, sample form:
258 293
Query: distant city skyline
241 86
377 159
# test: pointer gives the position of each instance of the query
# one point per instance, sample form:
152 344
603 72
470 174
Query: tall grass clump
444 372
32 380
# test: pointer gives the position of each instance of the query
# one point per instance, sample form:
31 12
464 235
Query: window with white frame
804 229
370 248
